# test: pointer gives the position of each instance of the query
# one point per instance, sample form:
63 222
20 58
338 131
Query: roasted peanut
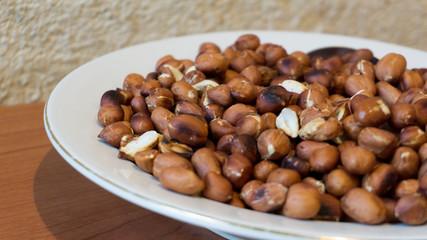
219 127
214 64
181 180
188 107
357 99
420 107
330 208
242 90
271 53
184 91
381 179
273 99
141 123
160 97
411 79
358 55
390 68
364 67
217 187
267 197
220 95
236 201
209 47
269 120
263 168
165 160
332 64
273 144
146 88
237 169
188 129
110 97
247 190
411 209
318 111
145 159
288 122
324 159
251 124
110 113
114 132
247 41
132 80
204 161
213 111
363 206
194 77
372 112
413 137
131 144
388 92
356 83
381 142
357 160
290 66
297 164
244 59
310 97
252 74
127 112
168 75
138 104
405 187
286 177
161 117
351 128
302 57
390 204
304 149
321 129
406 162
302 201
422 153
235 112
246 145
338 182
411 95
318 184
402 115
321 76
224 143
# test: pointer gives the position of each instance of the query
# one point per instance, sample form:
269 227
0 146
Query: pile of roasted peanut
340 138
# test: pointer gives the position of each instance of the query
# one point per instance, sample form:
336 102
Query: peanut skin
181 180
363 206
302 201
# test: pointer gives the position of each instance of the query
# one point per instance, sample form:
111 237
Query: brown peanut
381 142
205 161
302 201
237 169
390 68
217 187
181 180
363 206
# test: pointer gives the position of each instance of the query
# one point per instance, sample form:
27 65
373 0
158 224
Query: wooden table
42 197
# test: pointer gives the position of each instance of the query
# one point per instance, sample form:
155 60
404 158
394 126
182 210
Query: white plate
71 123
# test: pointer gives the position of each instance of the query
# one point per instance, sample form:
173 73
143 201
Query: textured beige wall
42 41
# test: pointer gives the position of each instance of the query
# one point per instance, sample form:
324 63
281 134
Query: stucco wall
42 41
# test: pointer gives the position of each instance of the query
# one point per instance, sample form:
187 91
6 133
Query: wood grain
42 197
